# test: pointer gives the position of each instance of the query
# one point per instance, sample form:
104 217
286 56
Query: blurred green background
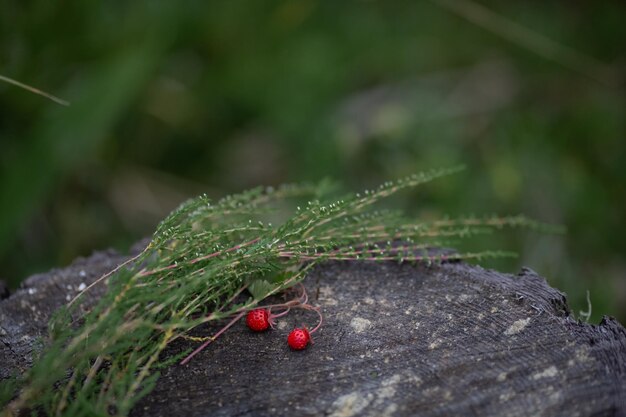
171 99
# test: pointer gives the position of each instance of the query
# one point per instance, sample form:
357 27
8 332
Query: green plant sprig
201 259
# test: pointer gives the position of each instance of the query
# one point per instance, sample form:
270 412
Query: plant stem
218 334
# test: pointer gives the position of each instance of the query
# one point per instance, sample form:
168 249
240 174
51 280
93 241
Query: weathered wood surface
398 340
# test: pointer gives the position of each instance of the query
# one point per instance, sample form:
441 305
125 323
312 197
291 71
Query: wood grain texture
398 340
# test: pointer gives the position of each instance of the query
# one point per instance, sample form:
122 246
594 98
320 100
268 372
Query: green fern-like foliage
201 259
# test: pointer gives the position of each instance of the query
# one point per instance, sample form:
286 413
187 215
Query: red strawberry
258 319
299 339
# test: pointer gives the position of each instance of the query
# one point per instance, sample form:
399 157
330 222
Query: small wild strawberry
299 338
258 319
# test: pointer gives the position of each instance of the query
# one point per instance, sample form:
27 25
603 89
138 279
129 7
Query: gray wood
398 340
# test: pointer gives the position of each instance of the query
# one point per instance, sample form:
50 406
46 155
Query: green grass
168 102
212 260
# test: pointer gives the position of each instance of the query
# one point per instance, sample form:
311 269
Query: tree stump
398 340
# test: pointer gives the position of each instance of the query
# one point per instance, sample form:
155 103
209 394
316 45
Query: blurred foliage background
171 99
